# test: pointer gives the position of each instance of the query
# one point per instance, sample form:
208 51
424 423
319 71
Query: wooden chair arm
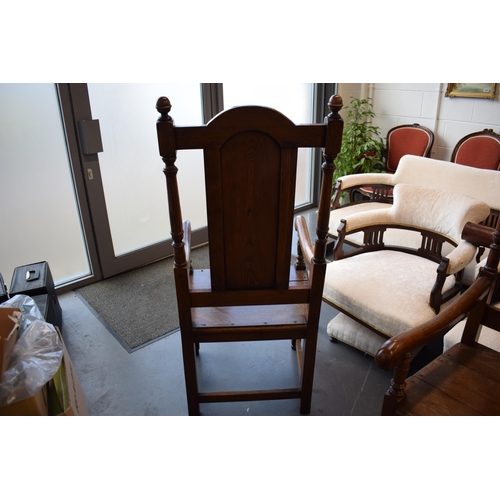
306 246
392 351
478 234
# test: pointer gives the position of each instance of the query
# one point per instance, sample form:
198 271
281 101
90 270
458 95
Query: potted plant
362 146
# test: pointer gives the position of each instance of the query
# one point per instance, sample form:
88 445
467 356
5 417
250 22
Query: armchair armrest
354 180
349 183
361 220
460 257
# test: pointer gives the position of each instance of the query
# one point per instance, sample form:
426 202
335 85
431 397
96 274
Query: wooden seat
252 291
465 379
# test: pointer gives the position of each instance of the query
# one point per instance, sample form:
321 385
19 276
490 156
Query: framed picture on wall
478 90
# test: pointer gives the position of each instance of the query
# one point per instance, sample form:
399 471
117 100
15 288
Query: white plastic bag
36 357
28 307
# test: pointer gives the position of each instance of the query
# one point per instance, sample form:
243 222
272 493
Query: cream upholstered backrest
478 183
442 211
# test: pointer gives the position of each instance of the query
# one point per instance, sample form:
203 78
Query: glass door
131 169
125 181
42 217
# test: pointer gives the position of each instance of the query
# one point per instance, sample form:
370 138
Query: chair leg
188 357
309 349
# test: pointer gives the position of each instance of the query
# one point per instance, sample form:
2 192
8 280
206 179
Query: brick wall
424 103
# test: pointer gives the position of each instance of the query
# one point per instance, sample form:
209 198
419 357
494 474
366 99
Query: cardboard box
9 333
36 406
71 397
61 396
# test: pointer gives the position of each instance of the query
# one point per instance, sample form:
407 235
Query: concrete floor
150 380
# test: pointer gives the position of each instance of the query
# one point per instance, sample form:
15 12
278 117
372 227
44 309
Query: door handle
90 136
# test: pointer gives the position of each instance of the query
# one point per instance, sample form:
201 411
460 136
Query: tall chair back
251 292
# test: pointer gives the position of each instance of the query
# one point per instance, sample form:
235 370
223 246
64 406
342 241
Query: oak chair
465 379
252 291
479 150
384 289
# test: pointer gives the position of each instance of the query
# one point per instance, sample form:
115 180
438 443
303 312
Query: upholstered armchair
478 183
382 289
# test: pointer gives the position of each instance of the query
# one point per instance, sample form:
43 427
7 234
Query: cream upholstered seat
481 184
382 290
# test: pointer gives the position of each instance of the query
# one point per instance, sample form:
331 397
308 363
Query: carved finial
163 106
335 104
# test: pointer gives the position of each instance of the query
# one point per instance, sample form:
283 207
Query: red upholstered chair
402 140
479 149
407 140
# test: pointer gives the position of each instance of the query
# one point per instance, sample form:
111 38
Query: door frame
80 191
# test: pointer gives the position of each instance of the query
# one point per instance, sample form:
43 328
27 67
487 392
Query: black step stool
35 280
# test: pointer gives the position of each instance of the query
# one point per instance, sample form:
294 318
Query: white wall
450 118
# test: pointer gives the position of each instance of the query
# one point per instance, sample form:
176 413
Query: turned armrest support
304 239
392 351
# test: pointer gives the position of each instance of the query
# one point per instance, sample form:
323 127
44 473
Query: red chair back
479 150
407 140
